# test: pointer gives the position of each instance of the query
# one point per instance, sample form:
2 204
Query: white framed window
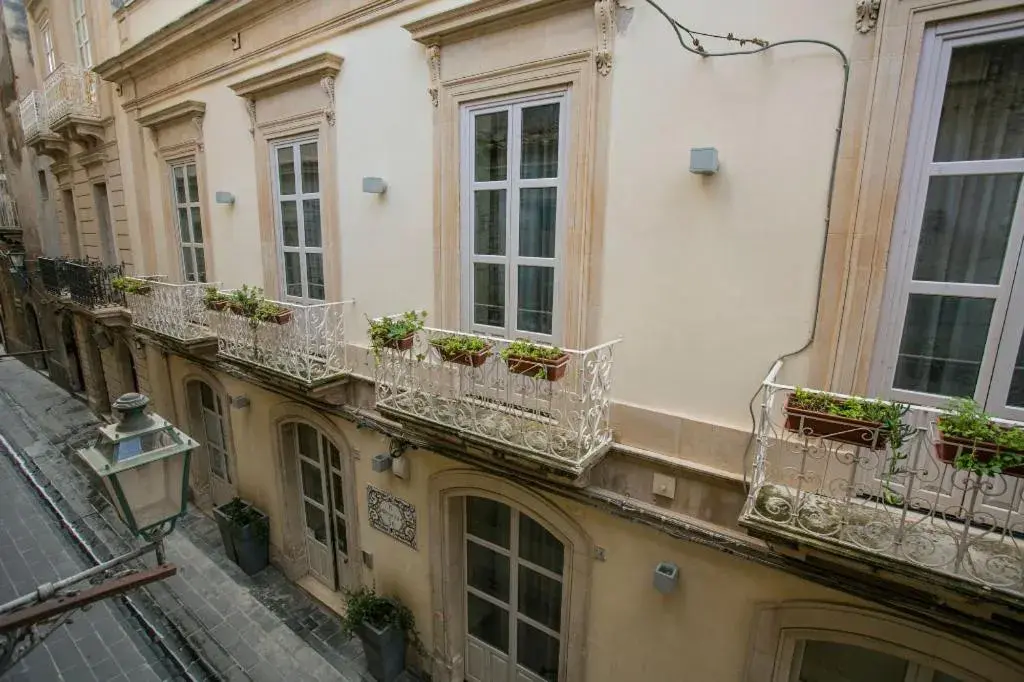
49 56
513 171
189 220
954 308
296 171
81 33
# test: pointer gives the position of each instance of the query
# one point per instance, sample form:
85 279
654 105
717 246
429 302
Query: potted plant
397 332
539 361
131 285
215 300
245 531
461 349
384 625
971 441
872 424
249 302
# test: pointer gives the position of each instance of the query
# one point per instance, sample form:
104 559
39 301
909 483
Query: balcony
561 424
86 283
33 116
10 226
309 348
73 104
903 509
176 311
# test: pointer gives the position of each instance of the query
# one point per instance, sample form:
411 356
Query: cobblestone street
211 621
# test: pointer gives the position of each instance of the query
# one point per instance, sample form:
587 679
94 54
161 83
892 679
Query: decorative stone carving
434 64
197 121
391 515
604 12
327 83
250 107
867 14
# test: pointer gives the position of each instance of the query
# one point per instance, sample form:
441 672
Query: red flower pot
404 343
947 448
843 429
468 358
550 370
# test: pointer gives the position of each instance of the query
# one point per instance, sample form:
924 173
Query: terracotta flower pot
549 370
465 357
404 343
283 316
843 429
216 305
947 447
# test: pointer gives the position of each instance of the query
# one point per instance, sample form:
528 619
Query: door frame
202 482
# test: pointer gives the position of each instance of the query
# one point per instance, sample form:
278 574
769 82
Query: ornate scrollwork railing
71 91
173 310
33 115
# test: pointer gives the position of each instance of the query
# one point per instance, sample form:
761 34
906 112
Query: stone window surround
445 542
779 628
190 148
323 67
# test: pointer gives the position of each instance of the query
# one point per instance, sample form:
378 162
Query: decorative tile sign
392 515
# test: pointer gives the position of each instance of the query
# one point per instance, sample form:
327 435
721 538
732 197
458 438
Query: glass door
222 488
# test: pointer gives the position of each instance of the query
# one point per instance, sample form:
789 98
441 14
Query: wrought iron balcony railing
71 91
33 115
173 310
308 347
49 271
558 417
853 493
87 283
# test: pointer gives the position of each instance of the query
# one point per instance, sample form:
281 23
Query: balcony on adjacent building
73 103
87 283
33 116
176 311
555 416
308 347
10 226
908 505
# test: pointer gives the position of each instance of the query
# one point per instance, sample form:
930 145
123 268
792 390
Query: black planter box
248 545
385 651
224 524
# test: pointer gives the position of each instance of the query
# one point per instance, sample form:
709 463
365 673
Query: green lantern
143 462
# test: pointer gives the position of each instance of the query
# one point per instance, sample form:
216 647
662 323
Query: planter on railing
866 423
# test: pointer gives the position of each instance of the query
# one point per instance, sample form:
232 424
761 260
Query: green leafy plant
364 605
463 349
243 514
388 331
249 302
992 447
528 350
131 285
212 297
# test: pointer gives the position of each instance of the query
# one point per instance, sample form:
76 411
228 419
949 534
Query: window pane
491 146
832 661
487 622
537 212
311 222
340 534
190 269
315 275
538 651
179 185
339 498
289 223
942 345
214 435
183 225
489 222
292 274
540 598
316 522
197 225
488 520
206 397
193 182
286 170
308 442
967 221
200 264
487 571
310 168
536 299
983 106
311 481
1016 396
335 457
489 294
538 546
540 142
217 463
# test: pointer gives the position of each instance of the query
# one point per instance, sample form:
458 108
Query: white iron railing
310 347
8 207
562 422
173 310
71 90
901 504
33 115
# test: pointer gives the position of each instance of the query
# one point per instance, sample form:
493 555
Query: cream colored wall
145 17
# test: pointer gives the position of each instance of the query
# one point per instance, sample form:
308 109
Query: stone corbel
434 65
250 107
867 14
604 13
154 139
197 122
327 83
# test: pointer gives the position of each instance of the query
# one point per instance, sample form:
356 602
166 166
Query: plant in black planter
384 625
461 349
972 441
871 424
533 359
396 332
245 531
131 285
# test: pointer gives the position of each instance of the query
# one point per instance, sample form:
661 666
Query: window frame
189 204
80 28
1007 320
296 142
513 184
49 50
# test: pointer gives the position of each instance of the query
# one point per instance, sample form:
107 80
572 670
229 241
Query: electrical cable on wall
690 40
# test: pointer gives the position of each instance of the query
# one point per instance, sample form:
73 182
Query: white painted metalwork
71 91
8 207
901 505
173 310
310 347
33 115
563 423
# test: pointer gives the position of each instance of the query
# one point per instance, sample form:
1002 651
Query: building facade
700 232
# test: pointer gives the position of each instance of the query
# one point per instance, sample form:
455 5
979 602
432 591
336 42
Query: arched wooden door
73 360
208 416
38 361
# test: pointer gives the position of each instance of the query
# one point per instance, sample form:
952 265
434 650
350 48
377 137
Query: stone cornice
312 68
485 16
188 109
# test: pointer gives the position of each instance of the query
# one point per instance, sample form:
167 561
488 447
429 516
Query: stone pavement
221 623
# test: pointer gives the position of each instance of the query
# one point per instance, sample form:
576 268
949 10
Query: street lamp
143 462
17 260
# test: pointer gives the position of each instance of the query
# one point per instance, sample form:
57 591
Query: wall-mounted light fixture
374 185
226 198
666 576
394 459
239 402
704 160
